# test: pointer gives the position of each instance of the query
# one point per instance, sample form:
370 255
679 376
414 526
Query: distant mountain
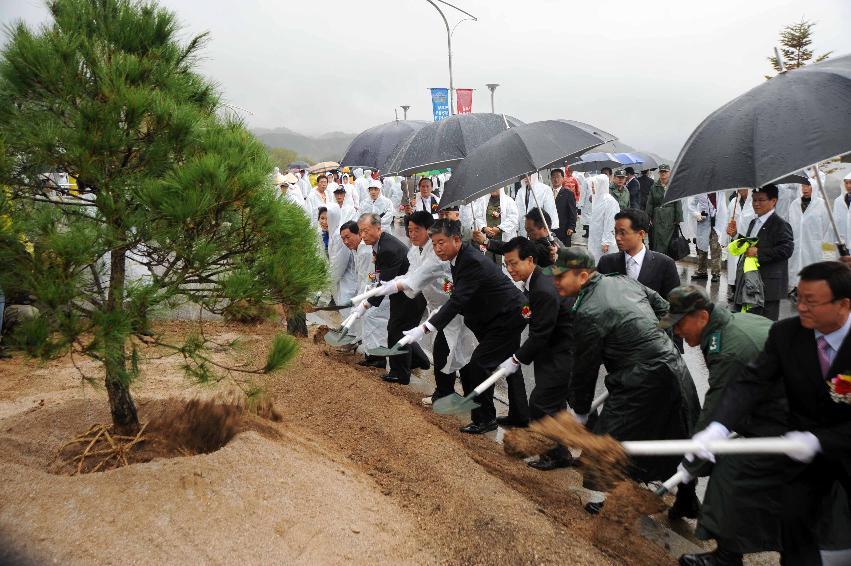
327 147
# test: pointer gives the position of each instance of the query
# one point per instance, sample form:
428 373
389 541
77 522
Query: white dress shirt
835 339
760 222
634 263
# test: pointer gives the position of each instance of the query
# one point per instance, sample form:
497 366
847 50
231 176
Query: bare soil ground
357 471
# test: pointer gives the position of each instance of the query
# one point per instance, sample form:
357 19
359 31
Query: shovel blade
339 338
383 352
454 404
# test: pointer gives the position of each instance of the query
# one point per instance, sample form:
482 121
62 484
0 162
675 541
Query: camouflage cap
570 258
620 173
684 300
664 167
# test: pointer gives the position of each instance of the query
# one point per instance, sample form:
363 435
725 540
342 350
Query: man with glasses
805 359
774 246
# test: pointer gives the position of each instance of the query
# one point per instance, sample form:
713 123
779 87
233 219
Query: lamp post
492 87
449 45
404 108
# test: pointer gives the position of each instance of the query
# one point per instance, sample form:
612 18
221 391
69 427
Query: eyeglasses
808 305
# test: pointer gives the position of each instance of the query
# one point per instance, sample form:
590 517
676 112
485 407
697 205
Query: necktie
824 350
751 226
712 200
632 271
425 205
848 199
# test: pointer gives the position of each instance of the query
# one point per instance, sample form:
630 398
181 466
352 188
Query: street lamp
492 87
405 110
449 44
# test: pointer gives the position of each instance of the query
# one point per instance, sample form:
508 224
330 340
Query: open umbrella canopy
603 156
591 129
371 148
790 122
324 167
298 165
446 143
512 153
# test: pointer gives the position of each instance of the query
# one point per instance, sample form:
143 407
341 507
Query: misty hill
327 147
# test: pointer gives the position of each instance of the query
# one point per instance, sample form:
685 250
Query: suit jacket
566 209
634 188
658 271
391 260
776 243
645 183
481 293
548 344
789 364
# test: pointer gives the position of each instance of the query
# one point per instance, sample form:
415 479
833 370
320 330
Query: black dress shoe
546 463
511 421
699 277
594 507
390 378
716 277
479 428
720 557
372 363
686 505
424 365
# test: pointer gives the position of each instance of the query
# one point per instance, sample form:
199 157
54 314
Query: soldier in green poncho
664 217
618 188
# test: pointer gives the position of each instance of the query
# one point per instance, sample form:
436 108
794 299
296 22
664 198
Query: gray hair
370 218
449 228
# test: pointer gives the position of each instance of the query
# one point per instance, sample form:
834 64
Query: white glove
715 431
388 288
687 477
583 419
511 365
810 446
415 334
361 309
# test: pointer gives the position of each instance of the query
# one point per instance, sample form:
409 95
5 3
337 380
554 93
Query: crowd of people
505 282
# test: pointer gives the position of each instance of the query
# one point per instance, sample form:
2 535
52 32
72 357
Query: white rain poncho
348 269
602 228
380 206
812 230
392 189
374 327
431 276
841 212
362 180
586 203
304 184
526 201
743 216
700 225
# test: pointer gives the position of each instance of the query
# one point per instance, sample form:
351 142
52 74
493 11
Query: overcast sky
646 71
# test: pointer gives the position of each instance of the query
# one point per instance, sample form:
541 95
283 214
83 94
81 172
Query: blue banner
440 103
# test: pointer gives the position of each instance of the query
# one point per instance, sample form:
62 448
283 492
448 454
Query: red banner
465 100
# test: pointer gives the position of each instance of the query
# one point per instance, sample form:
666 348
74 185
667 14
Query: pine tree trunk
297 323
121 404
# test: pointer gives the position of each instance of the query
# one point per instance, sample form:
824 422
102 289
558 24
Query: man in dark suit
802 360
645 183
652 269
773 250
536 224
492 308
634 188
548 345
391 260
565 207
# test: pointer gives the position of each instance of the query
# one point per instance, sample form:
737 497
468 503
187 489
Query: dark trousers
444 382
496 345
518 403
803 498
770 310
548 398
405 314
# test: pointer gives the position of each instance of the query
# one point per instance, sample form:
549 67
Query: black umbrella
785 124
298 165
513 153
371 148
591 129
446 143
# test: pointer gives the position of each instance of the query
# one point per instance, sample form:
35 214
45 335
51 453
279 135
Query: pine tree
795 41
167 184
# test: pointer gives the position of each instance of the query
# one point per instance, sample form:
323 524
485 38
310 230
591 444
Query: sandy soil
359 473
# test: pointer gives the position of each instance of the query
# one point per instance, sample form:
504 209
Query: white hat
279 178
290 179
375 183
847 177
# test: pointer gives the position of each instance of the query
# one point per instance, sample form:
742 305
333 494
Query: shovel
362 297
340 336
455 404
395 350
763 445
677 478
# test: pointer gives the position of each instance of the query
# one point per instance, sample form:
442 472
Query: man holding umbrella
493 310
664 218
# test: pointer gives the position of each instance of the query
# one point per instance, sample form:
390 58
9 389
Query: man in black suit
492 308
548 345
565 207
536 229
773 250
634 188
652 269
802 360
645 183
391 260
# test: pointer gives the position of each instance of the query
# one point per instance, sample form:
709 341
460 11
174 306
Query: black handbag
678 248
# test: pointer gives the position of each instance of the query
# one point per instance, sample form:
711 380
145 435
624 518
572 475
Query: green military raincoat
665 218
621 195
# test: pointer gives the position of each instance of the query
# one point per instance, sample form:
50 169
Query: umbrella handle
541 212
765 445
489 382
840 245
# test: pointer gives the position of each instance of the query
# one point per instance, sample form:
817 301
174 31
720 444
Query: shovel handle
670 483
350 320
765 445
599 401
366 295
489 381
